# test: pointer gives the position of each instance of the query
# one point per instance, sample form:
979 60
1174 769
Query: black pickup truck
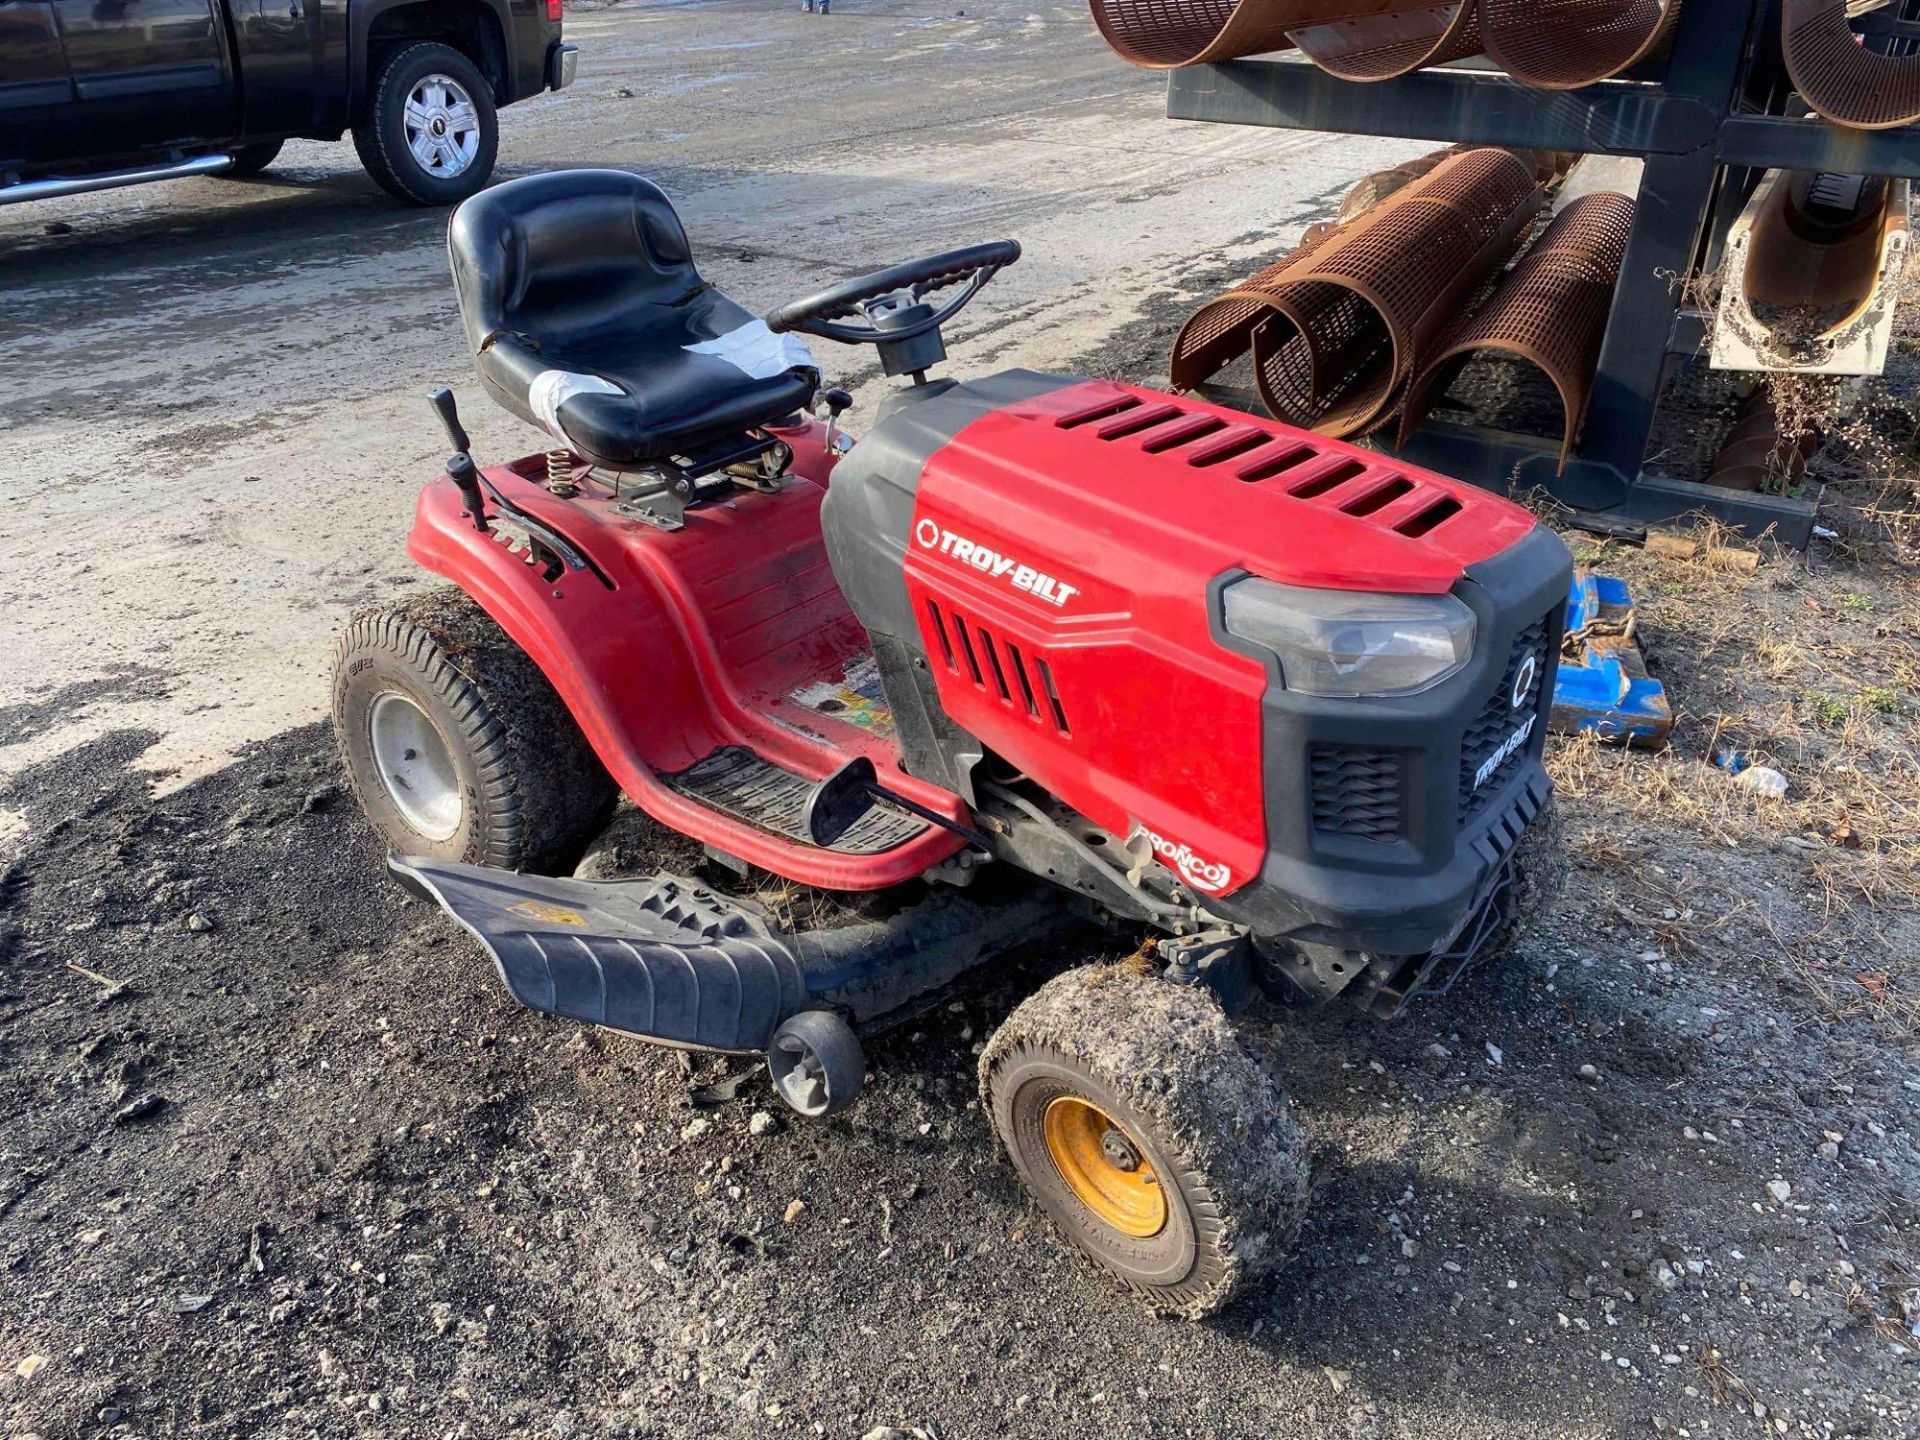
97 93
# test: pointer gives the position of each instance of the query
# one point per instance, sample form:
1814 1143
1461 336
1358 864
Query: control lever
460 467
839 801
838 403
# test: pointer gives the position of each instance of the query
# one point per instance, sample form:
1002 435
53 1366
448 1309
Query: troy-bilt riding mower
1036 649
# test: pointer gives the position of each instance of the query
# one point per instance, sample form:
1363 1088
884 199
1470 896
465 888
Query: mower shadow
1429 1263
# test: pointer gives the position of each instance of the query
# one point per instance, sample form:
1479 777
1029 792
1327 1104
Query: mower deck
665 959
729 636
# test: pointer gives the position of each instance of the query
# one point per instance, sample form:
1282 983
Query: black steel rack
1707 123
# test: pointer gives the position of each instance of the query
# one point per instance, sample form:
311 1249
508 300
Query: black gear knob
445 406
460 467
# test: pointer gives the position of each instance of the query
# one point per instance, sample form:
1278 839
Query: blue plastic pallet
1604 686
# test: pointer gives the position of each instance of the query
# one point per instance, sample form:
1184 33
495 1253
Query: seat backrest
566 253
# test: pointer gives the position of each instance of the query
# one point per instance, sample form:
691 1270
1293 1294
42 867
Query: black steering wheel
891 291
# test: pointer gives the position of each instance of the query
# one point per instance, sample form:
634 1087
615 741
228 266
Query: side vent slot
1195 427
993 659
1329 480
1020 674
940 629
1053 695
1378 498
1105 409
1425 522
966 649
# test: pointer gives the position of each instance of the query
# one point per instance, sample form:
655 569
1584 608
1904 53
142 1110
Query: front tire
430 133
1160 1148
456 745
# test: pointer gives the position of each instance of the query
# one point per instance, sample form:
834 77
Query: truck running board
666 959
57 185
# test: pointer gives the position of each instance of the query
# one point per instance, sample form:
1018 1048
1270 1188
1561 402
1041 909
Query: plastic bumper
562 61
1386 816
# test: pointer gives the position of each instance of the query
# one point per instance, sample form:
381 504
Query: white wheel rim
415 765
443 127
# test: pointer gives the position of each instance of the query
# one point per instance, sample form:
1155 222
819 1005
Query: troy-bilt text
931 535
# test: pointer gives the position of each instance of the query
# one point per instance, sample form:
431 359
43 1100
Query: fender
360 17
625 644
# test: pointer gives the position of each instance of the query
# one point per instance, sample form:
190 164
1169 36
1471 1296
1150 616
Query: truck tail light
554 8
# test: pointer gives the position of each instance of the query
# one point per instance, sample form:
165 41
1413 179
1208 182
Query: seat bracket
661 494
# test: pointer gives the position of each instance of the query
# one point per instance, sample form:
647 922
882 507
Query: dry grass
1810 671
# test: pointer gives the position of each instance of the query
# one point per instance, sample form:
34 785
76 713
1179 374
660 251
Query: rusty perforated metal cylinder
1550 310
1565 44
1839 77
1755 455
1336 329
1385 47
1165 34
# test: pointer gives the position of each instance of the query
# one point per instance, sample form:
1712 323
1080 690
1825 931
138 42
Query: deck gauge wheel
816 1063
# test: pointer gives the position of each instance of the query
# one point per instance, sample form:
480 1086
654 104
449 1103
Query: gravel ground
278 1158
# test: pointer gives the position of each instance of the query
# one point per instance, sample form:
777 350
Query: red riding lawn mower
1036 650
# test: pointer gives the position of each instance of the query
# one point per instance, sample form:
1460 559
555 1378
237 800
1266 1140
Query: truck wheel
457 746
430 133
1158 1145
250 160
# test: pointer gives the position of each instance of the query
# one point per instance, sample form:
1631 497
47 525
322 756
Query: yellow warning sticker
547 914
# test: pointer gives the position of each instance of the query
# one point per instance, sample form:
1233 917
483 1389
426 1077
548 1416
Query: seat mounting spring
560 474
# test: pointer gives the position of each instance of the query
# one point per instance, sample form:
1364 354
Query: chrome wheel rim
416 766
443 127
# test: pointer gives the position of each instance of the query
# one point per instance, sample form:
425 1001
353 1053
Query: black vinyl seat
580 300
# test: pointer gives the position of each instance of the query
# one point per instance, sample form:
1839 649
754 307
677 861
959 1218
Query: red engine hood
1244 492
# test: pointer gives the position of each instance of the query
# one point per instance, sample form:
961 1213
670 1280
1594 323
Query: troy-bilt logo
1508 749
1203 875
931 535
1523 679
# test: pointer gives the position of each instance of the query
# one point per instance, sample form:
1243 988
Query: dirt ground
278 1158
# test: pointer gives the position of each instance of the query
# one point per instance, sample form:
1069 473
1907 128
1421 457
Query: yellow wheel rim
1104 1166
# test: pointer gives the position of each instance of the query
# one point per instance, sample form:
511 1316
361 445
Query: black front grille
1499 719
1357 791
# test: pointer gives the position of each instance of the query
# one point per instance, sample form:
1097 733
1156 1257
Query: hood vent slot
1378 498
1327 480
1425 522
1252 452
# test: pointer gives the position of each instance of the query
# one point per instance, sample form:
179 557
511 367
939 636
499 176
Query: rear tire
250 160
394 144
1160 1148
455 744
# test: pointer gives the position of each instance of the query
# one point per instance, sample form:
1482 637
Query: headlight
1347 643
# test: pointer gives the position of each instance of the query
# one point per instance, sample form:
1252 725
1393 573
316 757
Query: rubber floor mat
737 782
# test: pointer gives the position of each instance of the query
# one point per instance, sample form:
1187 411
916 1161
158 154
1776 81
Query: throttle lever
460 467
838 402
